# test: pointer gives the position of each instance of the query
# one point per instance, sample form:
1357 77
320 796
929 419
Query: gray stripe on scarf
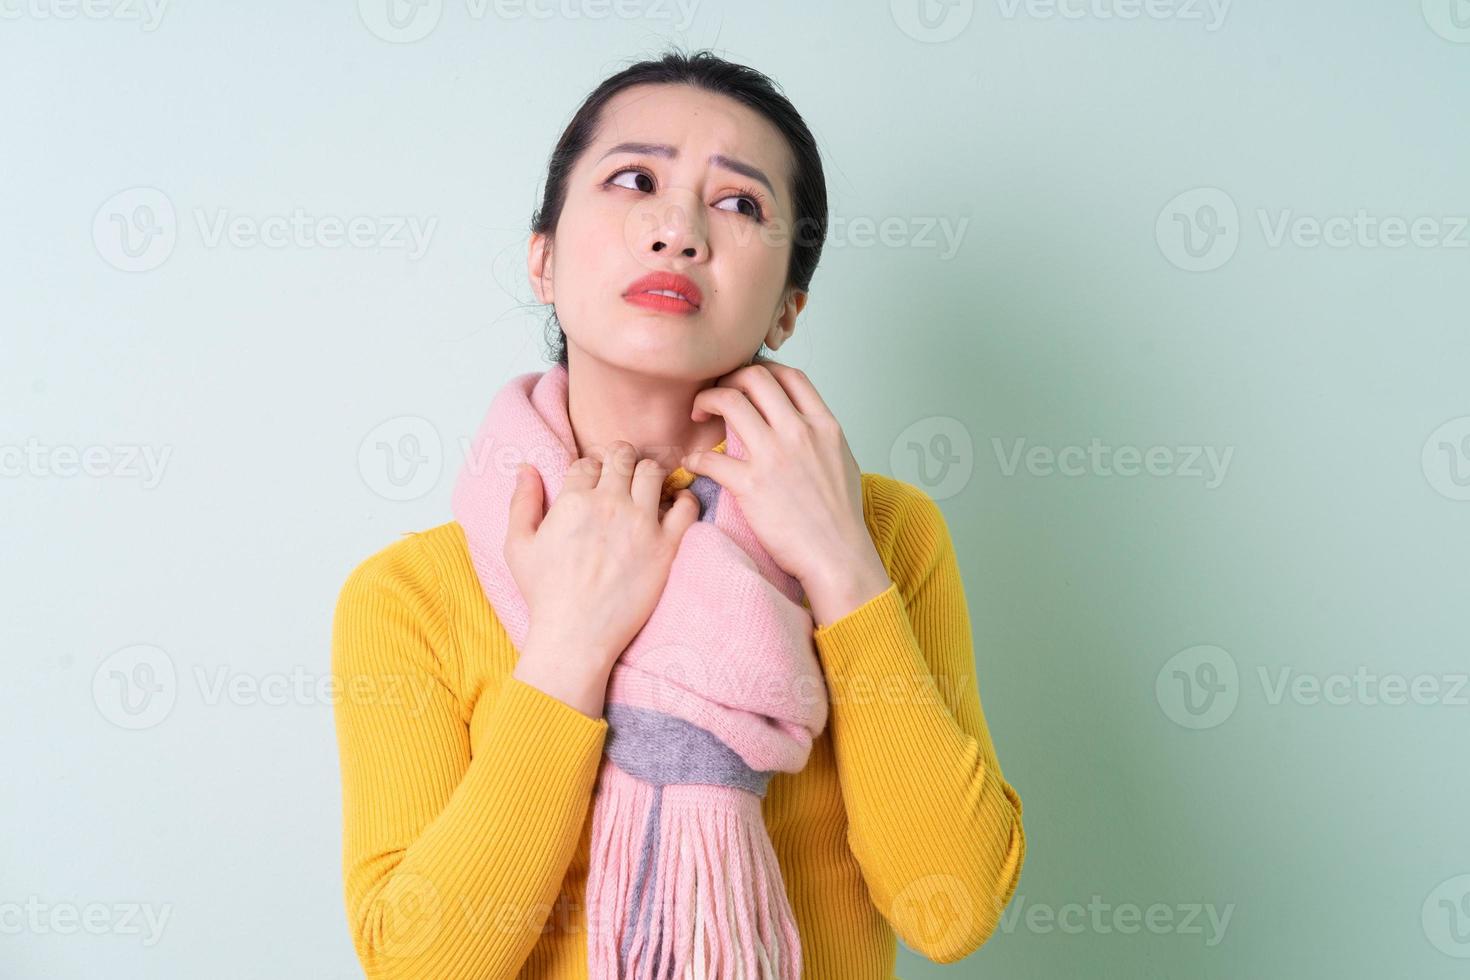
707 492
660 749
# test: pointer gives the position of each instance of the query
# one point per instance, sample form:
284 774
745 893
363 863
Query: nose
675 225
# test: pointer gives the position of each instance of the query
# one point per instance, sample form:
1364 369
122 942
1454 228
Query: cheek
582 249
758 261
575 226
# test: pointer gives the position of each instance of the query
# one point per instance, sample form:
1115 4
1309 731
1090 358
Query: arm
451 863
931 820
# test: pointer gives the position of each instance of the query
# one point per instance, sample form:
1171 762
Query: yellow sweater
466 793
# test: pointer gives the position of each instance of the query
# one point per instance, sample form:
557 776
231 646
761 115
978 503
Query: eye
637 172
757 211
643 181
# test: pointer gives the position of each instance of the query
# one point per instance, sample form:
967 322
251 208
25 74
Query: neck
606 403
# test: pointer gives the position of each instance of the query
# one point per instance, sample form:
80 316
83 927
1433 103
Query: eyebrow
718 159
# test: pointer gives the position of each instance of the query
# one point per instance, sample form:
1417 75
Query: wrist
567 648
574 674
840 590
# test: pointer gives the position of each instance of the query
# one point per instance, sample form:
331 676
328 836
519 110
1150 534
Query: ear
784 323
538 267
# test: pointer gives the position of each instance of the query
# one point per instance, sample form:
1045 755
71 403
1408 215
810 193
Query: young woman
683 218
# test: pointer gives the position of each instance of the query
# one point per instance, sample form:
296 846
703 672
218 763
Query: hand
593 567
800 489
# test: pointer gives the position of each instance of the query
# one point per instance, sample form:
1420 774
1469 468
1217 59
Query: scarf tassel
705 900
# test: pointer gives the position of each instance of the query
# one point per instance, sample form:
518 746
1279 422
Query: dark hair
704 70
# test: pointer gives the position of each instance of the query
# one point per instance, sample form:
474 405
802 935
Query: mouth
666 292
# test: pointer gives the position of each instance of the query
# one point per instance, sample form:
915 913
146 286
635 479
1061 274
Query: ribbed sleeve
451 858
932 822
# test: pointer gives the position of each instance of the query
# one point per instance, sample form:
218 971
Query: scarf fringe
715 910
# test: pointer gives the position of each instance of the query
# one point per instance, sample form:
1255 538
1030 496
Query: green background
1069 151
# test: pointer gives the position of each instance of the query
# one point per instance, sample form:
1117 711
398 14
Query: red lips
670 281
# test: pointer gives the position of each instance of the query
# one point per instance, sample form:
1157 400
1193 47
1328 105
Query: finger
617 467
723 469
526 504
582 473
766 393
799 389
682 513
738 413
648 484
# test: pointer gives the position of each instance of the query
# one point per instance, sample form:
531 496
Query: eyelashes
758 213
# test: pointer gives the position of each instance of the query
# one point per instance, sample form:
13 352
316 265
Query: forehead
696 122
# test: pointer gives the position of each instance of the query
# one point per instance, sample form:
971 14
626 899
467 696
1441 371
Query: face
666 207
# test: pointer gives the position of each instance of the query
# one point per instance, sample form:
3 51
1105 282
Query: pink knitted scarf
719 691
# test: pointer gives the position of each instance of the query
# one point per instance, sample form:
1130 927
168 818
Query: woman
470 763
